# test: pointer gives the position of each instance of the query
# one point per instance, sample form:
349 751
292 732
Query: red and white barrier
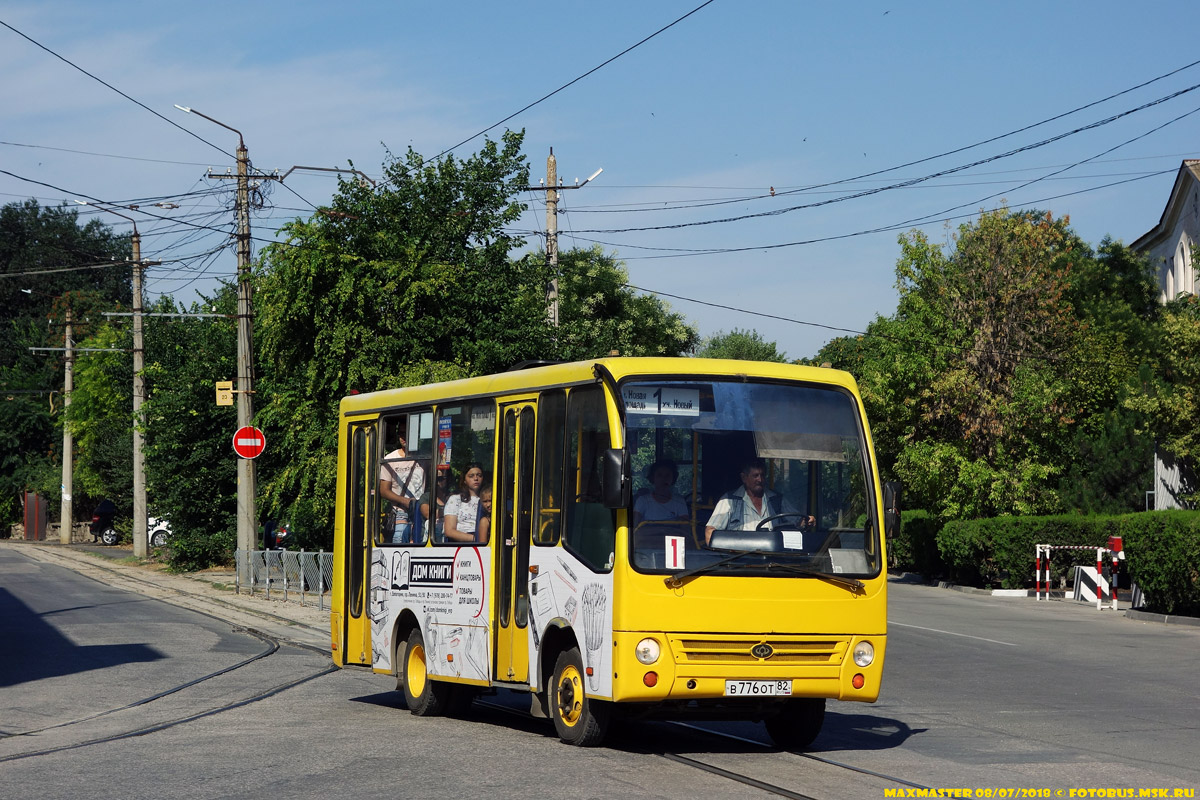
1103 588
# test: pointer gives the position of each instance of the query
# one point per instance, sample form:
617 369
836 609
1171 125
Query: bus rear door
359 507
513 507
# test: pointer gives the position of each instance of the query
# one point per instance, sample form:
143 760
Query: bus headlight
864 654
648 651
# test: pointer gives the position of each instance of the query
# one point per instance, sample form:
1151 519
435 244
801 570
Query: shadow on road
37 650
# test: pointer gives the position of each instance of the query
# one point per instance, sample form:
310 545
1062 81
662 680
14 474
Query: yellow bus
650 537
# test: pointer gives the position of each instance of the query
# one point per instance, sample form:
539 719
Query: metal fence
309 575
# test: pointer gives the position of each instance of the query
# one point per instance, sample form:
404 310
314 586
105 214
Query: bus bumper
701 667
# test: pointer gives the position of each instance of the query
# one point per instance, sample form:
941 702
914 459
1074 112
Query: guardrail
287 571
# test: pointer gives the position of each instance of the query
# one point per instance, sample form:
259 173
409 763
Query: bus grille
784 650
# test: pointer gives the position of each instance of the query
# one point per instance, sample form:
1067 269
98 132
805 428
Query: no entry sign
249 442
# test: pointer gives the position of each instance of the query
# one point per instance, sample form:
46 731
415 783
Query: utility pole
247 525
67 524
141 545
553 186
552 235
141 528
247 482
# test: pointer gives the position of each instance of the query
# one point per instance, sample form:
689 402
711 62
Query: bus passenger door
513 508
360 506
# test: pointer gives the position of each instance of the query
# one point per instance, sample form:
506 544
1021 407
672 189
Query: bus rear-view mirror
615 478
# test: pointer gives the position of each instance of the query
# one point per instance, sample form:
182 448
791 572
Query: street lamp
247 527
140 524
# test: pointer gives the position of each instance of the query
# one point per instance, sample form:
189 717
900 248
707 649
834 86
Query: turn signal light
858 680
650 679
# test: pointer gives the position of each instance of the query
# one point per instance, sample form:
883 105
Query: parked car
159 531
102 523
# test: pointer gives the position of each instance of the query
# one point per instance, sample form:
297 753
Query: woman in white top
462 509
662 502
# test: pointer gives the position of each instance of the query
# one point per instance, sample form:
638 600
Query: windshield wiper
852 584
676 580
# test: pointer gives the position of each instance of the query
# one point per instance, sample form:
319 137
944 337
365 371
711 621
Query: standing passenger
401 482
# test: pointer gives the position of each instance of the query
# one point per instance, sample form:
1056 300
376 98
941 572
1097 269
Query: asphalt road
979 693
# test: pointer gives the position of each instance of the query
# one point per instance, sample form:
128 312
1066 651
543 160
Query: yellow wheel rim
415 674
570 696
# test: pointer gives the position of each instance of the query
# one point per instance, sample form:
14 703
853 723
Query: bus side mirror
614 487
891 508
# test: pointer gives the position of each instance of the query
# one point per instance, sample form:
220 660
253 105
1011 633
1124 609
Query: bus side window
590 530
550 473
403 475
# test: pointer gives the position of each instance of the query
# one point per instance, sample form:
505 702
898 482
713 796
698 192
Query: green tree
100 417
411 282
747 345
39 250
599 313
191 471
394 285
994 384
1169 389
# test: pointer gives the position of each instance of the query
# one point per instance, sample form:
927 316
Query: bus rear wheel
425 696
578 720
798 723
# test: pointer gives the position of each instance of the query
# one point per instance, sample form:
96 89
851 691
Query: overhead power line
573 82
103 155
903 184
99 80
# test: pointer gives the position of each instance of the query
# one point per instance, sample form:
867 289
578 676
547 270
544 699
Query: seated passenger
662 502
462 508
745 507
483 524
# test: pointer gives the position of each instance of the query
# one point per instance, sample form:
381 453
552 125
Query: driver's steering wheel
802 526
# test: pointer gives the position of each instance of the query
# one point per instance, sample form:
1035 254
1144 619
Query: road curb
291 621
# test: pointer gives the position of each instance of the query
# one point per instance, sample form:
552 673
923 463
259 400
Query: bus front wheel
578 720
798 723
425 696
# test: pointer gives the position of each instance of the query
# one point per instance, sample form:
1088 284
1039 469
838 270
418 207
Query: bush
915 547
195 549
1000 551
1162 551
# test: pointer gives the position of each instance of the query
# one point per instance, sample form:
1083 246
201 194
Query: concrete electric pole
553 187
552 235
67 518
141 528
247 480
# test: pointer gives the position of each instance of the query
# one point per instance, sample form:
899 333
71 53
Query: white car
159 531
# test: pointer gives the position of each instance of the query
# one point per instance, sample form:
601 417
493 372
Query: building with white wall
1168 245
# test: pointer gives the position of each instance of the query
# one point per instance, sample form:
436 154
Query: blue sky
736 99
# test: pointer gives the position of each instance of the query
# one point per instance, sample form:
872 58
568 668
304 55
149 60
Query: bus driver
745 507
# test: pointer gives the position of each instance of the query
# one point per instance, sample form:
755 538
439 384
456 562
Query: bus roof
583 372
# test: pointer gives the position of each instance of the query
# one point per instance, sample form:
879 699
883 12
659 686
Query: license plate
758 688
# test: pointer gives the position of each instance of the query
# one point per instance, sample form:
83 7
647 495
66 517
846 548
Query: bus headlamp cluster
864 654
647 651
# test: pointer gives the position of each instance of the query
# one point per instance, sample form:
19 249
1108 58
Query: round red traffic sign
249 442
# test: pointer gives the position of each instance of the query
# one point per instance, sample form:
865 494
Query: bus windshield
778 473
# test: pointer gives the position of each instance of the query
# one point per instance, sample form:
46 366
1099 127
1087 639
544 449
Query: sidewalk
210 592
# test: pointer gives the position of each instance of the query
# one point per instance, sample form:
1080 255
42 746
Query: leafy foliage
191 471
412 282
1169 396
999 376
393 286
600 314
1162 552
747 345
33 241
